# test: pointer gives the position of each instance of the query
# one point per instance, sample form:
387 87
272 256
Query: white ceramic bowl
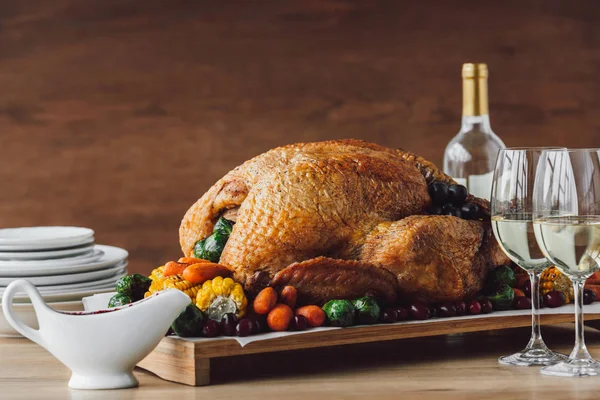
26 313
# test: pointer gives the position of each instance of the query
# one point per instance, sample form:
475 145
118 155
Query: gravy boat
101 348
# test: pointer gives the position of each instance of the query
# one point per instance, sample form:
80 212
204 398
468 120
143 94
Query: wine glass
567 228
512 223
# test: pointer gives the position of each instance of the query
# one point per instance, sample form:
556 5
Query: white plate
71 295
43 237
47 254
112 256
42 281
54 289
26 313
59 262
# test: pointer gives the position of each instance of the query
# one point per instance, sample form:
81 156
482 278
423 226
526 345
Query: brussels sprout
503 297
189 323
134 286
119 300
340 312
503 274
367 310
211 247
223 226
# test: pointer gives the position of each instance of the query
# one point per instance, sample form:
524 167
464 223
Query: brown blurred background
118 114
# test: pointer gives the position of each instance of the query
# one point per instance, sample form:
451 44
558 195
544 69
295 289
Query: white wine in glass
512 224
567 229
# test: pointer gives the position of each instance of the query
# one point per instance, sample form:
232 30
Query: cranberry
554 299
228 324
244 327
402 313
522 303
486 306
446 310
419 311
389 315
589 296
299 323
474 307
211 328
461 308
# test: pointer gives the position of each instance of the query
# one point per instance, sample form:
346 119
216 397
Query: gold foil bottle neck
474 70
475 93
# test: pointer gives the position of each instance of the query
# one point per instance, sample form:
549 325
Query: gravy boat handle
36 300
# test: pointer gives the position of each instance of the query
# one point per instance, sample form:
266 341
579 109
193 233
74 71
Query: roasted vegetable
133 286
160 282
223 226
367 310
279 317
553 279
219 296
503 297
201 272
503 274
189 323
211 247
119 300
340 312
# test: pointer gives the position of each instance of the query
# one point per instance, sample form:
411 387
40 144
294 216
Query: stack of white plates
62 261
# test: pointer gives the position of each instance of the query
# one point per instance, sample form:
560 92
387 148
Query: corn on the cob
220 288
161 282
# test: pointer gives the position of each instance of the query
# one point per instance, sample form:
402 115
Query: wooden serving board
188 362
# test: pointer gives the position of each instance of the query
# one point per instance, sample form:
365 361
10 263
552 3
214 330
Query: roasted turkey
340 219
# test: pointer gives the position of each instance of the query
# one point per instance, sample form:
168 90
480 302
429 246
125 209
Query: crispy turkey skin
339 219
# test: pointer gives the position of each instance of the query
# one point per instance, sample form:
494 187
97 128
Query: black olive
438 191
470 211
457 194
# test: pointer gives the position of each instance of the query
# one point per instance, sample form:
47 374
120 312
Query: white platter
59 262
26 313
43 237
112 256
93 276
47 254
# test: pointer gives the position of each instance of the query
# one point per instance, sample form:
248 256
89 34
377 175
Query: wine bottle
471 155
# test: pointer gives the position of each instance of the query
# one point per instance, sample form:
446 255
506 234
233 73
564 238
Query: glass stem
536 340
579 352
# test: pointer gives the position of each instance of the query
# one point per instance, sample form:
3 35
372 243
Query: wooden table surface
459 366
